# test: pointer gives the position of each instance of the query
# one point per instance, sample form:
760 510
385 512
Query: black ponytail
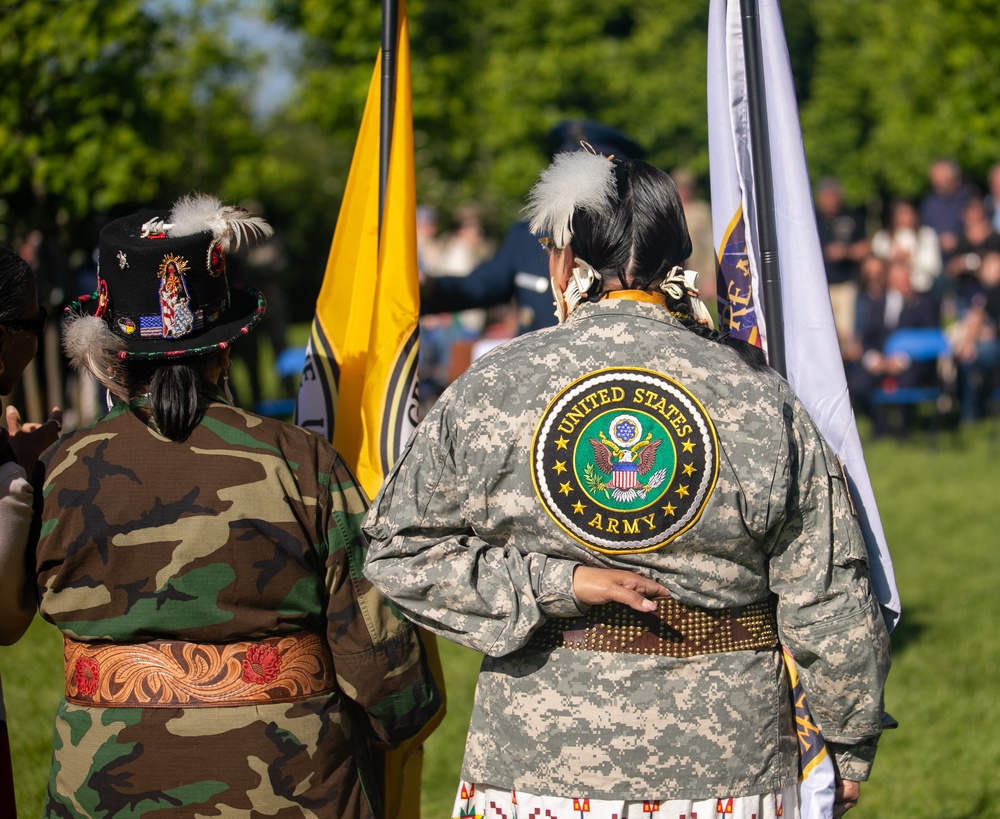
175 393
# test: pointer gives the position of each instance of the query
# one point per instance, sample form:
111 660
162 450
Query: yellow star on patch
669 509
560 467
688 446
578 508
689 469
565 488
682 491
561 442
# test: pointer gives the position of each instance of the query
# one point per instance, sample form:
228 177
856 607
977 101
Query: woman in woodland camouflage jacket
224 654
625 516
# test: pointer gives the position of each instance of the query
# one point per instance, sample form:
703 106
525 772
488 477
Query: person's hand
593 587
845 797
28 441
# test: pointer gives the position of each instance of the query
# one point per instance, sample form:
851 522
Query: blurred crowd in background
932 262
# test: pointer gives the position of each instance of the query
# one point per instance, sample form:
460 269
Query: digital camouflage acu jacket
621 439
248 529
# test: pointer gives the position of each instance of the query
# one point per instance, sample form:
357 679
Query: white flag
812 354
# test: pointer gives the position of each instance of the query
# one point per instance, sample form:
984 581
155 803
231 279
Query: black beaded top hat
162 288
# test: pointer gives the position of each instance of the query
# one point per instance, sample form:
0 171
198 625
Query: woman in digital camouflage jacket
630 519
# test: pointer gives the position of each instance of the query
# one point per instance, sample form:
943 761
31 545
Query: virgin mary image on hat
162 287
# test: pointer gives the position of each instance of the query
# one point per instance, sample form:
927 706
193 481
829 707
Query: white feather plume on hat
199 212
92 347
574 180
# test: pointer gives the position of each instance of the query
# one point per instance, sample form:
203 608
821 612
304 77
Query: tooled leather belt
179 674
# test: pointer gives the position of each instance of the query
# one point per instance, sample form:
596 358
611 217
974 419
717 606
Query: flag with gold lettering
359 381
815 367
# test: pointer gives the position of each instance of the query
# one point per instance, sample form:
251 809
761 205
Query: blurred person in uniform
519 269
842 238
624 513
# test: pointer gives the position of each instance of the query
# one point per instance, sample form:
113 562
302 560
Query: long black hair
175 390
643 239
646 234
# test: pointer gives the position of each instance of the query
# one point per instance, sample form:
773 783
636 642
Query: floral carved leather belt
179 674
673 630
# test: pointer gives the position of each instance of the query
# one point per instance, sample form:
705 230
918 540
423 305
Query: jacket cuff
555 593
853 762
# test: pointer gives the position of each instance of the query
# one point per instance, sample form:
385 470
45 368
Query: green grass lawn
939 506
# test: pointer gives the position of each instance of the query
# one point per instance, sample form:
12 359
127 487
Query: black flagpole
390 17
760 152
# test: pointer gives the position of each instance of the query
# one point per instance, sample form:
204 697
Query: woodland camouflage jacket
249 529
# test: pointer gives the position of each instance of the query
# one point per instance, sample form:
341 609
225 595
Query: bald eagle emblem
622 461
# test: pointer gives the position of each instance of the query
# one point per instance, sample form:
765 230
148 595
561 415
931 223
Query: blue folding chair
921 344
289 364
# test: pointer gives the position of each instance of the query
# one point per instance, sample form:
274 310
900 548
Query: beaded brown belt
178 674
673 630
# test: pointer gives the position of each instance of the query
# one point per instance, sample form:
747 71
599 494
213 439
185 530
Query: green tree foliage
491 79
107 105
883 87
896 84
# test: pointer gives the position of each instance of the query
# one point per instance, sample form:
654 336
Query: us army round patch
625 460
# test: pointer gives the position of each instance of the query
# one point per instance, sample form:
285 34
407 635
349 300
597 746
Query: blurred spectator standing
976 340
428 242
941 209
698 213
842 237
901 306
465 246
906 239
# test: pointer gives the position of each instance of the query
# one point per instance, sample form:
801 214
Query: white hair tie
680 285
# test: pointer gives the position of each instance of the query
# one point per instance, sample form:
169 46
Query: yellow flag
359 382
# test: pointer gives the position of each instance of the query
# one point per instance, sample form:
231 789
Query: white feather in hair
229 223
574 180
92 347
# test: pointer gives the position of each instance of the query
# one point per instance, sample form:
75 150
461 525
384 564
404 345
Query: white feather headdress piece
574 180
199 212
91 347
